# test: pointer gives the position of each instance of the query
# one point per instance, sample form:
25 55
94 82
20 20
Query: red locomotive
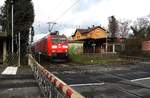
53 45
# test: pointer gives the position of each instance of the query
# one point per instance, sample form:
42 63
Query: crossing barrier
51 86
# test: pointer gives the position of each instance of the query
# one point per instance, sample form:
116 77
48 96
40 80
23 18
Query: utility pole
51 25
19 50
106 43
12 29
32 34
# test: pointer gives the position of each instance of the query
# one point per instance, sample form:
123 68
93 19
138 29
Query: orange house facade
90 33
146 46
93 39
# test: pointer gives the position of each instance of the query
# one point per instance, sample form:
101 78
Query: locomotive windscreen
58 39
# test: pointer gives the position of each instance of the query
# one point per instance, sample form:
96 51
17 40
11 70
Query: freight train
53 46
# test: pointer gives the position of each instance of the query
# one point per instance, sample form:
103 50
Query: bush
92 59
133 47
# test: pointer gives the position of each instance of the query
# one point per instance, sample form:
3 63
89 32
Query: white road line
96 84
14 71
87 84
140 79
10 71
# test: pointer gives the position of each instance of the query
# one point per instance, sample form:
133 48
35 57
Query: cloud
85 4
50 10
40 27
38 36
1 2
88 12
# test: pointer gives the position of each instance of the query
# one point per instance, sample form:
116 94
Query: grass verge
87 59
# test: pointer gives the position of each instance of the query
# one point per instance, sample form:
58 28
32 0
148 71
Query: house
96 32
93 39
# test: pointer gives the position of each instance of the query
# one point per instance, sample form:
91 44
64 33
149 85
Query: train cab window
58 40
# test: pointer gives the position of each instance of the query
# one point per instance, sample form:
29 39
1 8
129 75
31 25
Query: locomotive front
59 48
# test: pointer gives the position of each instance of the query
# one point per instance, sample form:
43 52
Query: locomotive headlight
64 46
66 50
54 46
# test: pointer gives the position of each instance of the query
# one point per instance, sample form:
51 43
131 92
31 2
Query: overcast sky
84 13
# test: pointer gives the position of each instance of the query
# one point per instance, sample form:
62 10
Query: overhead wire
76 2
61 15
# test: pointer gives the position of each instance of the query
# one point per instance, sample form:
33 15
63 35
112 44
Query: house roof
54 33
85 31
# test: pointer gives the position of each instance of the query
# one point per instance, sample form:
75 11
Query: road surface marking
10 71
140 79
87 84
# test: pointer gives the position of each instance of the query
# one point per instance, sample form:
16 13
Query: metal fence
135 59
51 86
100 55
17 52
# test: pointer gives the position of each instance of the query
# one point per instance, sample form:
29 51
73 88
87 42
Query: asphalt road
106 81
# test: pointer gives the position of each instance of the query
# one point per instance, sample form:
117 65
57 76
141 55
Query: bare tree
141 27
142 23
124 27
113 26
